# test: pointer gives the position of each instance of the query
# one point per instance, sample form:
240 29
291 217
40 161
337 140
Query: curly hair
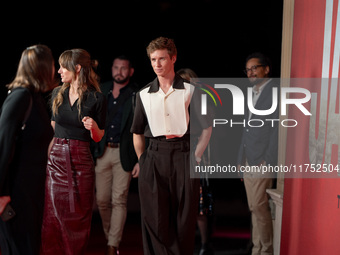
162 43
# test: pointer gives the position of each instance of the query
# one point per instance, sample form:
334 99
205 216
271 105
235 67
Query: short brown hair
162 43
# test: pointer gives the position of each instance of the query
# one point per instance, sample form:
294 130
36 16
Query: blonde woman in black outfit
78 115
23 154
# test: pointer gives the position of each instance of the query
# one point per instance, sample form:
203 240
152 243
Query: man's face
255 71
121 71
161 62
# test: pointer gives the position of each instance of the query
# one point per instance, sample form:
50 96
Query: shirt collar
121 90
256 92
178 84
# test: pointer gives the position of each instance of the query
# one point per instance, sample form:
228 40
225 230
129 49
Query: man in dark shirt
168 195
116 158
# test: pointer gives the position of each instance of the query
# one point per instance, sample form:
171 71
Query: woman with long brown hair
25 133
78 115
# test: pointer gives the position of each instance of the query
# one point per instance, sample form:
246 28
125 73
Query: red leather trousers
69 194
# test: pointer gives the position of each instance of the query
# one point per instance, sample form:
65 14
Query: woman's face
65 75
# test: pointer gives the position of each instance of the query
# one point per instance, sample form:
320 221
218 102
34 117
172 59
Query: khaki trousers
112 187
262 231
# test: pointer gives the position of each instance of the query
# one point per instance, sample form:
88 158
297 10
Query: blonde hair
35 70
87 78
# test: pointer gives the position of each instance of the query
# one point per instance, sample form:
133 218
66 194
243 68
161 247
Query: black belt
175 139
112 145
182 145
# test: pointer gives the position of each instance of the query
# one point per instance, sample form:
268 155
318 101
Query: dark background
212 37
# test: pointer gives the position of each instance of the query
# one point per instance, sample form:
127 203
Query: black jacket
128 155
261 143
23 159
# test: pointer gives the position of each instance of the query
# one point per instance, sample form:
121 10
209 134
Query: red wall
311 217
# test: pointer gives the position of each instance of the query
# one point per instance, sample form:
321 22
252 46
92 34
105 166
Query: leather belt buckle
112 145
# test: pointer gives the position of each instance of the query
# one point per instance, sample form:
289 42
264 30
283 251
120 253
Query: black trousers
169 198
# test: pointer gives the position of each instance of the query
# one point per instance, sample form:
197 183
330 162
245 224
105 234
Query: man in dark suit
116 160
259 146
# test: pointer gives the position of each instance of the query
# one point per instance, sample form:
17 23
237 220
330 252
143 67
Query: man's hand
135 171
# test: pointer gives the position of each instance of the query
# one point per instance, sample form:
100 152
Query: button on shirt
160 114
113 129
168 113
